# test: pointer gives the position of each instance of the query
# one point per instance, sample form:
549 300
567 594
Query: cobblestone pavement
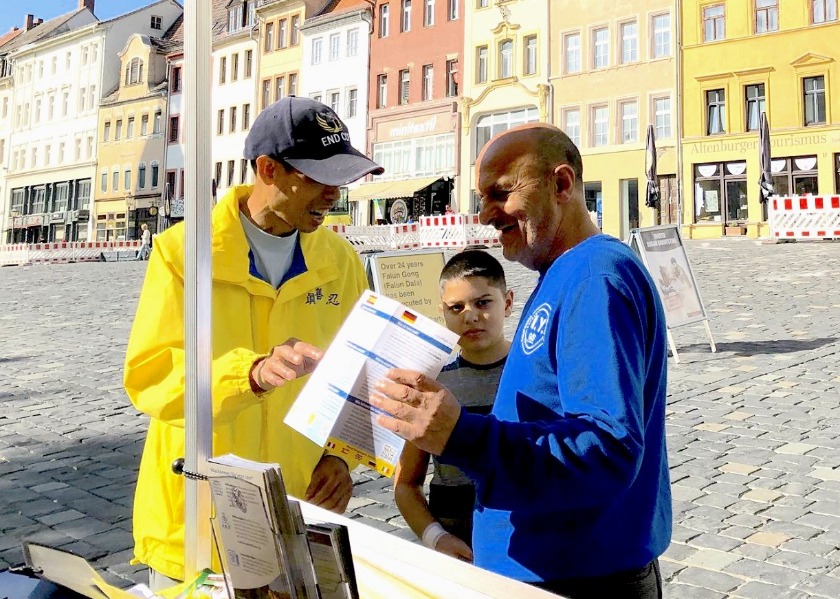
753 430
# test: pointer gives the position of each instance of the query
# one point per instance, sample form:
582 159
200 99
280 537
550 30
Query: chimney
38 21
29 23
88 4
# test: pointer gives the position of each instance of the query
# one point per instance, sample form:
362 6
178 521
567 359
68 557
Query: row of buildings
91 128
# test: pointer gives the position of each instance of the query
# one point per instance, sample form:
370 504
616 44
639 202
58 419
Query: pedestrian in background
282 285
145 243
571 469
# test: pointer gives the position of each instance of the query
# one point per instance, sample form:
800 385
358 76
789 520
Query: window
316 97
482 3
814 95
505 59
451 78
231 169
220 122
428 13
67 60
714 23
428 81
106 131
243 170
661 35
715 108
65 103
48 155
282 26
279 87
293 84
405 21
766 15
796 176
156 22
571 44
176 79
629 42
629 122
382 91
601 48
335 101
530 55
266 93
232 124
141 175
235 18
246 117
335 45
234 66
157 123
92 97
452 12
352 102
103 184
127 181
352 42
155 173
421 156
600 126
134 72
492 124
662 117
754 97
384 18
174 133
823 11
249 63
317 44
481 64
405 81
295 30
571 125
222 69
115 180
269 38
50 107
82 100
118 130
129 130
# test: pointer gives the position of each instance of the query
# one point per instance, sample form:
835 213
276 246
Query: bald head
545 142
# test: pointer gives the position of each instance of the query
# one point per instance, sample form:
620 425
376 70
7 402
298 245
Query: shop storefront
50 212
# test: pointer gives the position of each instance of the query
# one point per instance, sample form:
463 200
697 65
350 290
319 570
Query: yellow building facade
613 72
503 80
131 145
741 59
280 48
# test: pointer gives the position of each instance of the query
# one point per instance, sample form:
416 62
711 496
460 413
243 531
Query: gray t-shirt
272 254
475 387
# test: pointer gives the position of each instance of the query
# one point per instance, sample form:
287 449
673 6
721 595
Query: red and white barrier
804 217
380 237
60 252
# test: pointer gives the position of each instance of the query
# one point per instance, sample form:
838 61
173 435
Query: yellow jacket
249 318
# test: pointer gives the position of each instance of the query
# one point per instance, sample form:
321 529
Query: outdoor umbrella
652 193
765 180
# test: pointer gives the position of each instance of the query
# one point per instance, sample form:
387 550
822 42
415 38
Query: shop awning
388 190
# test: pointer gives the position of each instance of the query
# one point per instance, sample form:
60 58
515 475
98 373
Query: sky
47 9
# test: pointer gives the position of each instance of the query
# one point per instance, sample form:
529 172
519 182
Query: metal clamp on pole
178 468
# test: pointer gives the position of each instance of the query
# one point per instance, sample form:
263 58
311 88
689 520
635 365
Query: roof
52 27
7 37
173 39
337 8
387 190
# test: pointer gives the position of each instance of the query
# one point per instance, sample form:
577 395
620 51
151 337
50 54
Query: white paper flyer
333 409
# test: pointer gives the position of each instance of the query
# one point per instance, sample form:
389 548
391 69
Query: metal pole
197 281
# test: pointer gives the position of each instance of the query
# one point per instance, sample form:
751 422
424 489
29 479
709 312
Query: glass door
736 202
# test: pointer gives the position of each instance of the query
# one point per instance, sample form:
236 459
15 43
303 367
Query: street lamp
129 208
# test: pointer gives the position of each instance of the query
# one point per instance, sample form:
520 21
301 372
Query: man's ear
266 168
508 302
564 182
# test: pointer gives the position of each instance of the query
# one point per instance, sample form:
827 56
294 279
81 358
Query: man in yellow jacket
282 285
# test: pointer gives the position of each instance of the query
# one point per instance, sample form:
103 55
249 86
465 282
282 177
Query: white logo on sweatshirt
533 333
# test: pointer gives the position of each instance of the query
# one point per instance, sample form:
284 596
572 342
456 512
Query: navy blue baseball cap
309 137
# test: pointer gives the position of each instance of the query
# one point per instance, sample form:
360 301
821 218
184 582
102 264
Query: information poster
663 253
411 278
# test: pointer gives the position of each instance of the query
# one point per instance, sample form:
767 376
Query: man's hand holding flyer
333 408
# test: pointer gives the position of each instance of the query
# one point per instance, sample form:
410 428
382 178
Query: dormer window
134 72
241 14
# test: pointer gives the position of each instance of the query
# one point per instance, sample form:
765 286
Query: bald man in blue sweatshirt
571 468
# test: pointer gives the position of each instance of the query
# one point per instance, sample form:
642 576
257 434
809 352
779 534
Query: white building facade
235 73
57 85
336 54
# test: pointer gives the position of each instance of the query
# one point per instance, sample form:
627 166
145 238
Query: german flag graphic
371 299
409 317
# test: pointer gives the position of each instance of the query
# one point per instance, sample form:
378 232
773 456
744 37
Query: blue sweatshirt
571 467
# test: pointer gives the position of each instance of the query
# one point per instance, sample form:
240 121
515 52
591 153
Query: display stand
410 277
663 254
